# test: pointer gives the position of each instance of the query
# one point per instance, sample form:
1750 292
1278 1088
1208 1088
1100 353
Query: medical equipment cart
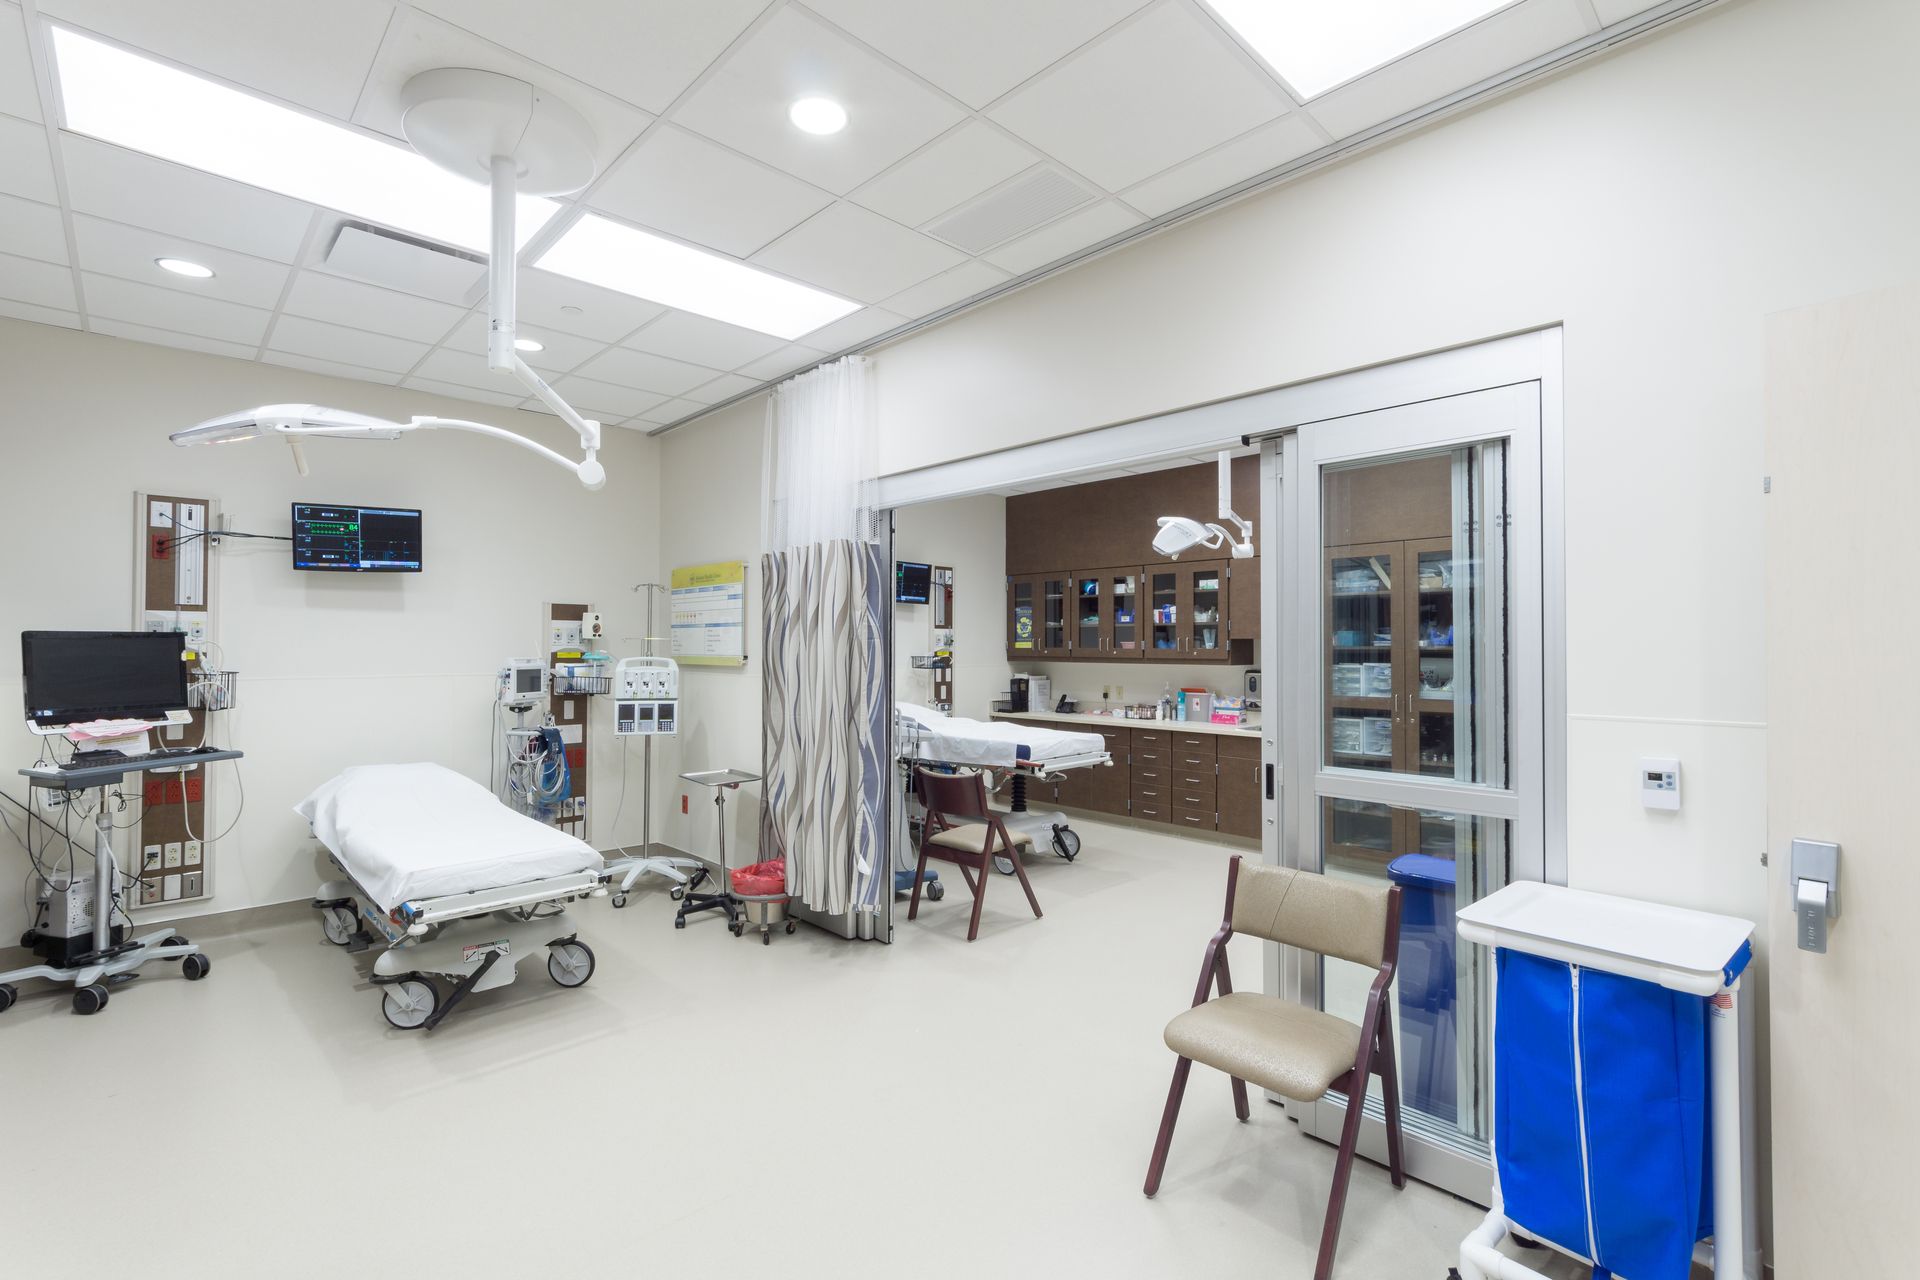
91 973
1621 1132
722 781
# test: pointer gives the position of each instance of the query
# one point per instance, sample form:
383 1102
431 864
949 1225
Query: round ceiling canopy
461 118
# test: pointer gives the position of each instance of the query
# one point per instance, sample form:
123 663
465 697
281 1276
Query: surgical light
143 105
615 256
1182 533
818 116
1315 45
181 267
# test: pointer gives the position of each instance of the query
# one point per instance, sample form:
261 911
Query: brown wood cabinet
1184 776
1239 786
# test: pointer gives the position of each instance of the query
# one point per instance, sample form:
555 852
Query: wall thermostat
1660 783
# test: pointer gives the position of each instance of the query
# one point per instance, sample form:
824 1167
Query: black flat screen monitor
72 677
911 582
335 538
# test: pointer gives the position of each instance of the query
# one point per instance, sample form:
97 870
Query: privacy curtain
824 690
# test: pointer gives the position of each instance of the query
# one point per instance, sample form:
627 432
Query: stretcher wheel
1003 864
1066 842
339 924
570 963
936 890
792 925
90 999
7 996
409 1003
175 940
195 967
619 900
678 892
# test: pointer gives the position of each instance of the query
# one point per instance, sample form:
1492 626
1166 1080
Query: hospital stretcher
1012 755
451 883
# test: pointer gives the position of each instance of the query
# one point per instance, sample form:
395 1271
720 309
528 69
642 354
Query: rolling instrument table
722 781
90 973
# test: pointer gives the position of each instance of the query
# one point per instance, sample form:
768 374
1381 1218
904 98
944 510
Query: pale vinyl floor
704 1106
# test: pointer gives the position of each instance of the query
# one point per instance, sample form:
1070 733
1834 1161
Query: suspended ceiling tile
1494 44
670 412
43 284
559 352
558 302
172 338
857 254
332 368
39 315
686 186
724 387
646 372
33 230
851 331
114 249
390 261
978 50
468 369
312 55
610 402
141 191
26 169
161 308
18 96
418 41
946 289
1058 239
1267 147
1155 92
319 296
714 344
455 391
644 51
321 341
784 361
744 103
947 172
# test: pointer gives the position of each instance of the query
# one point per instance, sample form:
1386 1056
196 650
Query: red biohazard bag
761 879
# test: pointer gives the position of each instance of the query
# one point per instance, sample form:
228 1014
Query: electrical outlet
683 803
149 892
190 853
191 884
173 854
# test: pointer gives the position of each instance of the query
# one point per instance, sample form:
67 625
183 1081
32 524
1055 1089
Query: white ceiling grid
1096 117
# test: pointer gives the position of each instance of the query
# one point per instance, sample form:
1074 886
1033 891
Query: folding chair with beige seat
1294 1051
960 828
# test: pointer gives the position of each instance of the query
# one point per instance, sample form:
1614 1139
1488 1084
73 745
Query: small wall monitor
334 538
911 582
74 677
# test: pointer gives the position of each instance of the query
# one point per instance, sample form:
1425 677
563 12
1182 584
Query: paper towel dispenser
1814 879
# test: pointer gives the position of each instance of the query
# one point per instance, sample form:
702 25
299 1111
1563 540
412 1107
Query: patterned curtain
826 699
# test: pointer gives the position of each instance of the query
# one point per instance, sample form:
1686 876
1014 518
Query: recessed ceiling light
818 115
181 267
528 344
615 256
135 102
1314 45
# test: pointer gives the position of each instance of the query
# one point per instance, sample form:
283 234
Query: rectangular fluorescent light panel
1317 44
144 105
615 256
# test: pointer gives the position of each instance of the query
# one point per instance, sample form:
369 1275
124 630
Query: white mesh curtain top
824 693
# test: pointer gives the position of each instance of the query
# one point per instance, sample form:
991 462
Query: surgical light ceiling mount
511 136
1181 533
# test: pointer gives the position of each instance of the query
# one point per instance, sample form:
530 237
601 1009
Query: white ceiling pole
502 271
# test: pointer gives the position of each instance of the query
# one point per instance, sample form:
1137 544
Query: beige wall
970 536
334 671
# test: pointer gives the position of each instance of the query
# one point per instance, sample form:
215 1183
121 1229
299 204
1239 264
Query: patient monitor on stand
646 705
536 775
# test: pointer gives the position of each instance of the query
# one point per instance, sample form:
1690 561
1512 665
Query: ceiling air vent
392 261
1037 196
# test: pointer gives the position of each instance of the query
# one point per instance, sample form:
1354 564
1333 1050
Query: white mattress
991 743
410 831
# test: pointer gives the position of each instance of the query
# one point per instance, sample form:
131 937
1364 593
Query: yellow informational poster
710 614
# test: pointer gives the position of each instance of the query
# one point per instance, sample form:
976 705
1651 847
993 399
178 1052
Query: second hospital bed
1022 753
424 849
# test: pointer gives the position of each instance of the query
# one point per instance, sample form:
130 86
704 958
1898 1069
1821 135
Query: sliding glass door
1412 747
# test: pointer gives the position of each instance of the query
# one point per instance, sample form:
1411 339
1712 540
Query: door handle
1269 769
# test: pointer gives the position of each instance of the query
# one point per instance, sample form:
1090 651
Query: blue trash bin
1428 1061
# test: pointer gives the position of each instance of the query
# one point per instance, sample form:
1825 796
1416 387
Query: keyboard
165 755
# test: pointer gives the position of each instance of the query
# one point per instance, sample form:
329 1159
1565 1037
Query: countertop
1251 729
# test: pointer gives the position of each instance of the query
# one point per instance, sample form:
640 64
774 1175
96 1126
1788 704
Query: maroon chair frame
949 795
1375 1056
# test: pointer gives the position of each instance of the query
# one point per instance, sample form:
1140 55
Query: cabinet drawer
1236 747
1150 812
1182 761
1189 743
1160 779
1157 739
1193 819
1151 757
1192 781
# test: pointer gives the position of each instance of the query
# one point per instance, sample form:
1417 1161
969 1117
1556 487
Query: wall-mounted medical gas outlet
592 631
1660 783
1813 875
